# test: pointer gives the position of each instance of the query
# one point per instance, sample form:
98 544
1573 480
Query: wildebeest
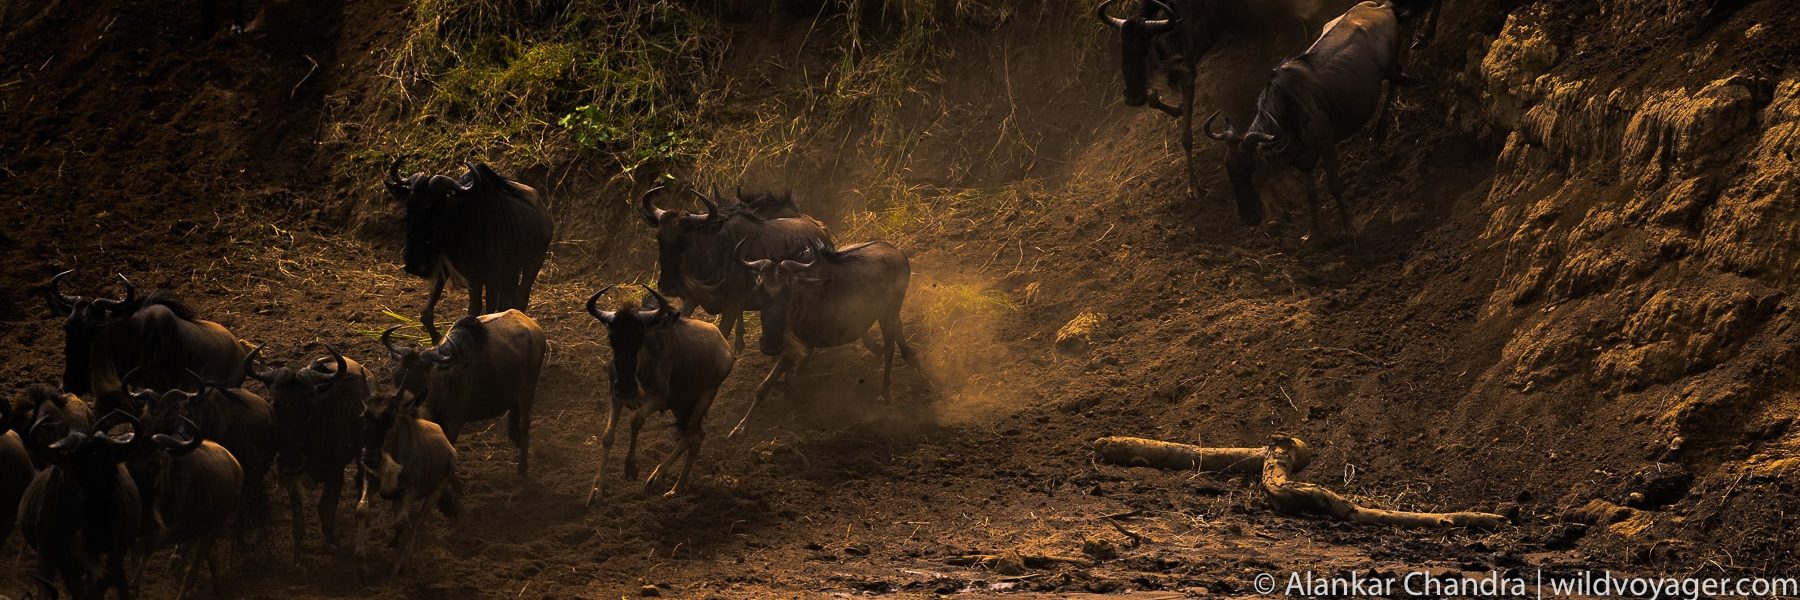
1425 13
316 425
484 231
485 367
198 488
240 421
156 335
16 470
409 461
830 301
1178 33
1314 101
83 508
60 411
678 362
698 254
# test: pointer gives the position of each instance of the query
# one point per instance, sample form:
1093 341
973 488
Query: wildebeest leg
1186 86
606 444
527 279
328 503
638 415
791 355
502 295
1312 204
1336 184
212 570
361 512
518 428
693 434
403 528
893 338
192 554
427 317
476 307
292 483
115 574
732 321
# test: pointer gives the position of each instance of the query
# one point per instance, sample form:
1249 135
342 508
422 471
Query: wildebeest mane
169 301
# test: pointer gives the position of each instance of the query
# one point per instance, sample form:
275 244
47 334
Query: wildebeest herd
153 441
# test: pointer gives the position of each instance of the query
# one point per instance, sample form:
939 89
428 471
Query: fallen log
1140 452
1291 497
1276 464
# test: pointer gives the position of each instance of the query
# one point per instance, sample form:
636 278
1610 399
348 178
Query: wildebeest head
296 395
1242 152
676 233
91 455
84 328
1136 39
417 368
44 402
776 281
183 439
626 329
164 410
427 198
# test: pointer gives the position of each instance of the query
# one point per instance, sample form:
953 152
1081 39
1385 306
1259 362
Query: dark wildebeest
486 366
698 254
156 335
1425 12
409 461
484 231
678 362
1314 101
830 301
16 470
316 424
84 508
198 488
240 421
1178 33
62 412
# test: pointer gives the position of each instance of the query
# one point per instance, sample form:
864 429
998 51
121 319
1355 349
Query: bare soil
1410 360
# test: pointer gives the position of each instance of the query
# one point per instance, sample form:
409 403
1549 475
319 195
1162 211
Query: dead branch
1276 464
1140 452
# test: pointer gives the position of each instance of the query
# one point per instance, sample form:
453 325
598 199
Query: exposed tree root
1276 463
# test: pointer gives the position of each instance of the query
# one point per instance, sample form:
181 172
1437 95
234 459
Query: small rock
1099 549
649 591
1078 334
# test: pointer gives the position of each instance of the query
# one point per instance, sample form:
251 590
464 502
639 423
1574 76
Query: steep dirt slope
1569 283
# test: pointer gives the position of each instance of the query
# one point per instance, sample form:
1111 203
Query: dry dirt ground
1490 342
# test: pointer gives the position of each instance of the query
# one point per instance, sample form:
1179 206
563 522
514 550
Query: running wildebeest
409 461
1178 33
486 366
156 335
317 412
483 231
698 254
830 301
198 488
677 361
16 470
1314 101
84 508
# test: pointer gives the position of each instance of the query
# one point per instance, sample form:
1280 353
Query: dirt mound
1569 284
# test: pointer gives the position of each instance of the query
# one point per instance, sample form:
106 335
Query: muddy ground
1570 282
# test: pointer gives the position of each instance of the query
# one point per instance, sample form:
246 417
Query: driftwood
1140 452
1277 463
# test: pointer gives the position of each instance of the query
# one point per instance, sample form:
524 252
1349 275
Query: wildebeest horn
175 444
437 357
593 307
648 210
1257 138
711 206
125 382
343 367
107 422
55 295
474 176
1162 25
387 339
1109 20
204 384
394 172
662 304
1207 127
69 442
267 376
756 265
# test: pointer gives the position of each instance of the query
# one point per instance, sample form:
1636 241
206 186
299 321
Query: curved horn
436 357
474 177
69 442
267 376
1109 20
31 433
593 306
55 295
204 384
343 366
387 339
394 173
175 444
1207 127
125 382
712 206
756 265
662 304
648 210
105 423
1162 25
1257 138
